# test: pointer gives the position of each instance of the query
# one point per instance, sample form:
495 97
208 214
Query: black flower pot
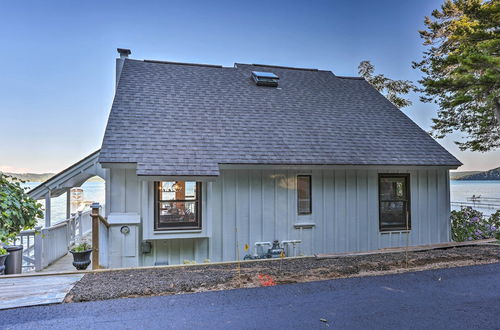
81 260
2 263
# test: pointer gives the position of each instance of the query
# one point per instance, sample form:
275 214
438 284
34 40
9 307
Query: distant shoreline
42 177
493 175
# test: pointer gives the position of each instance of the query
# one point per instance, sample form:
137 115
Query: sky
57 59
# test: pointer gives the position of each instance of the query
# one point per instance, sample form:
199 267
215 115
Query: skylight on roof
265 78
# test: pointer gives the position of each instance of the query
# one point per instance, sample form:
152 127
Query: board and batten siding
255 205
123 207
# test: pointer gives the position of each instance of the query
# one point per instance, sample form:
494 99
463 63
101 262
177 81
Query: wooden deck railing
43 246
54 242
100 228
27 239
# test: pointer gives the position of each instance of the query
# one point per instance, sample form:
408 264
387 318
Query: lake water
489 192
460 192
92 191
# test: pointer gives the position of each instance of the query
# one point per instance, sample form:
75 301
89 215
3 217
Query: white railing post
73 227
68 203
38 249
80 224
44 251
68 232
47 210
71 222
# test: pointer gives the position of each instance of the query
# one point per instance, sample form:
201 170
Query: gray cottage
201 160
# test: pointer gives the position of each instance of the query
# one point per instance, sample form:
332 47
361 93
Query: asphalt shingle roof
174 119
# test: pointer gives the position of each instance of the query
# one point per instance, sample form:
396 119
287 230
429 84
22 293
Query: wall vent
265 78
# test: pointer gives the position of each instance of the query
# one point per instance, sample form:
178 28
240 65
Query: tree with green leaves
18 211
461 68
391 89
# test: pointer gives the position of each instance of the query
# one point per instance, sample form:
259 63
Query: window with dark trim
394 202
304 201
177 205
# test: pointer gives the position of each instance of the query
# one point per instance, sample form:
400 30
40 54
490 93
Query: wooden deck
39 288
63 265
35 290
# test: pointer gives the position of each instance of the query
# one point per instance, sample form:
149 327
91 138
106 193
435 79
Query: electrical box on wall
146 247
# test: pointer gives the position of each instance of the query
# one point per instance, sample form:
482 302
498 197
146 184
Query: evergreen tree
391 89
461 68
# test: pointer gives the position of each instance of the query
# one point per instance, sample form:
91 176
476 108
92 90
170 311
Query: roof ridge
280 67
184 63
350 77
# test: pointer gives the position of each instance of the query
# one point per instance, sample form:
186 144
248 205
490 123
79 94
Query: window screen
394 202
304 203
178 205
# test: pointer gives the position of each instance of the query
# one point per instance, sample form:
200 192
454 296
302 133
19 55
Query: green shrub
469 224
494 222
81 247
2 251
18 211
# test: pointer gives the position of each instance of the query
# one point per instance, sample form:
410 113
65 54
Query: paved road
456 298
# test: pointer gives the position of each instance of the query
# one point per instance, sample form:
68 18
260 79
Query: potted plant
18 212
81 255
3 256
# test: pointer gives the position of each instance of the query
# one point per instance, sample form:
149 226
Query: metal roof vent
265 78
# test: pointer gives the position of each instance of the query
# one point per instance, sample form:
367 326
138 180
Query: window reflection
178 204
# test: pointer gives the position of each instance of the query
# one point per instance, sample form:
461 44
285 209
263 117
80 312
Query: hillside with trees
493 174
460 175
41 177
31 177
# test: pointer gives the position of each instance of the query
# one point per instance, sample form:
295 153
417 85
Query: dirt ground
207 277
